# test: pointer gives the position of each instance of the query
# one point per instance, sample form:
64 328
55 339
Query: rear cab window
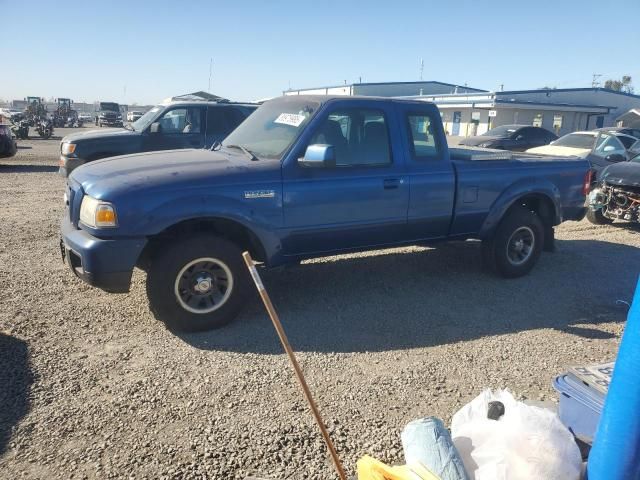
423 140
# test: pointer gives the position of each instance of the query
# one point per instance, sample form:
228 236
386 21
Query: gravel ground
92 386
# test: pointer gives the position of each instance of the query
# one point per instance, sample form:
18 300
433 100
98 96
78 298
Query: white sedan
600 148
133 116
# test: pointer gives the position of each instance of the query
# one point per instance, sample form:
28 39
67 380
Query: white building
562 110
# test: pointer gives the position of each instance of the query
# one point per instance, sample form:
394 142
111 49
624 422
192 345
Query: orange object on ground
371 469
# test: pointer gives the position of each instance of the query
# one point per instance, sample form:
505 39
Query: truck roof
328 98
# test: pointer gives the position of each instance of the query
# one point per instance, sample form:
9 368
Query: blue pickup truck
303 177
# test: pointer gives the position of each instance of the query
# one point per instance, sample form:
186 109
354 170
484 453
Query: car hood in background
623 173
475 141
99 134
561 151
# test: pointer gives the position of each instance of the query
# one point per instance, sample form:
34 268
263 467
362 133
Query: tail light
588 180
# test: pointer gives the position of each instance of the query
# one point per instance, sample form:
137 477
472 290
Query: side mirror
609 148
155 127
318 156
615 158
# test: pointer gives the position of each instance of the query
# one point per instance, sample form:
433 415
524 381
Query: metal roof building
387 89
561 110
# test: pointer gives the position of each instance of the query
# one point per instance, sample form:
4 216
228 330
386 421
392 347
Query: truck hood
168 170
623 173
561 151
99 134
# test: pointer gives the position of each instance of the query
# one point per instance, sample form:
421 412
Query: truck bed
461 152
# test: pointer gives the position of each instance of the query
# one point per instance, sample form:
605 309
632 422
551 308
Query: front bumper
105 264
111 122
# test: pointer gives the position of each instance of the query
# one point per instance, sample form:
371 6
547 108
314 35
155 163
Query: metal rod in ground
296 367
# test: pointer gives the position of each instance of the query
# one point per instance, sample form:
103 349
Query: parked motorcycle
44 127
20 129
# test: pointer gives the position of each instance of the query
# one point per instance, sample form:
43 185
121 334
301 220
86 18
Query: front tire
516 245
198 284
597 217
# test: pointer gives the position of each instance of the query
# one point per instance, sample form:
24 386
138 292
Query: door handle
391 183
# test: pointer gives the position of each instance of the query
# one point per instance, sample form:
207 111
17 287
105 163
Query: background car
133 116
632 132
601 148
8 145
625 135
511 137
168 126
10 113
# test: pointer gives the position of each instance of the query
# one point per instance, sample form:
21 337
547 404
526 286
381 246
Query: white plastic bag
526 443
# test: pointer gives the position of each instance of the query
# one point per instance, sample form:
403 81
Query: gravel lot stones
92 386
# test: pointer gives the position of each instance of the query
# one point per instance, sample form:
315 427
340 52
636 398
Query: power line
210 70
595 83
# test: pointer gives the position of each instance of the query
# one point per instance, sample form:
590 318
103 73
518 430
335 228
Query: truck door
432 183
360 202
179 127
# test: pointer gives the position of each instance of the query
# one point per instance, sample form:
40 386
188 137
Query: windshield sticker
292 119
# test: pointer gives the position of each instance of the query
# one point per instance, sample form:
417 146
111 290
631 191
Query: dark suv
173 125
109 114
8 145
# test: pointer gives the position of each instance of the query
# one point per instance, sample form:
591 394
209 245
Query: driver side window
181 120
359 137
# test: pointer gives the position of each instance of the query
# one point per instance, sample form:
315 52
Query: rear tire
597 217
198 284
516 244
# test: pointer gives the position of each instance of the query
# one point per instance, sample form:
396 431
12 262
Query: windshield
145 120
273 127
503 131
113 107
576 140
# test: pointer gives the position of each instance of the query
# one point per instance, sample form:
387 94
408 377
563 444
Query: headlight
97 214
119 116
68 148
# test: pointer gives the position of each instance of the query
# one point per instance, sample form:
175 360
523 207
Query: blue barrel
616 449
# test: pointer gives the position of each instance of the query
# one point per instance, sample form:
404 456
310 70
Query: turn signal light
105 215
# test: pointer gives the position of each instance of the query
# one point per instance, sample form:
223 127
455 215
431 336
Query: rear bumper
105 264
8 147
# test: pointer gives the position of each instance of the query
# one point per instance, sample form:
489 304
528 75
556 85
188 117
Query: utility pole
502 87
210 71
421 68
594 81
